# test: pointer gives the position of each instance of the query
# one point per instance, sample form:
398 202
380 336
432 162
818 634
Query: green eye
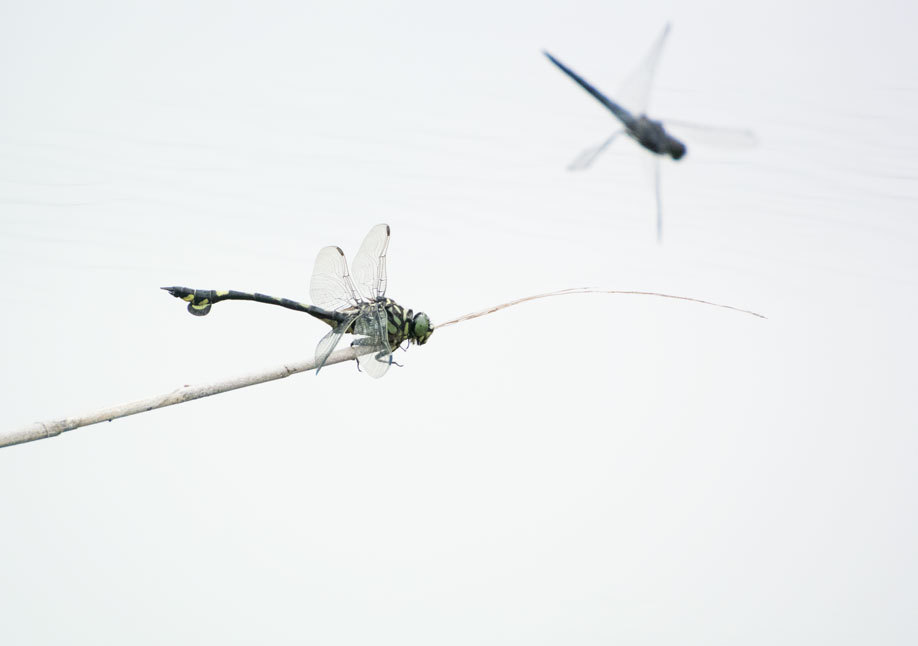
422 329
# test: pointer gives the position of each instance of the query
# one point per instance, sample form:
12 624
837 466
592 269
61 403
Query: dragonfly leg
357 343
381 357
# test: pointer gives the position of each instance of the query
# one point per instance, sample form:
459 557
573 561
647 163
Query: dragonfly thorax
653 137
404 325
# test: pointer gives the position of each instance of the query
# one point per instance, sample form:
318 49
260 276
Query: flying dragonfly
349 304
645 131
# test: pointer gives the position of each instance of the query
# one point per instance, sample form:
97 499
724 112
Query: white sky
588 469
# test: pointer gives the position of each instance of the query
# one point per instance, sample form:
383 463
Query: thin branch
42 430
589 290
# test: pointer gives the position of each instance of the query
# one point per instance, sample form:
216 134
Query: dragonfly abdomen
200 301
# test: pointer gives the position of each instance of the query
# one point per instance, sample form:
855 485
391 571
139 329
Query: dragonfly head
421 329
676 148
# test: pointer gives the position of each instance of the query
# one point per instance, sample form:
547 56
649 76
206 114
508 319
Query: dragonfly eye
677 149
421 328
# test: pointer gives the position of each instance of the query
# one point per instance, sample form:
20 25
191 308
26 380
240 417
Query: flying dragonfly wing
586 158
331 287
370 263
372 329
328 342
635 91
656 190
712 135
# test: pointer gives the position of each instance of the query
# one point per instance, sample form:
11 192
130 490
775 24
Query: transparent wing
370 263
372 329
714 136
328 342
331 287
656 190
585 159
651 166
634 94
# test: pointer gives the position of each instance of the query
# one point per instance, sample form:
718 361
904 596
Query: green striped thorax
405 325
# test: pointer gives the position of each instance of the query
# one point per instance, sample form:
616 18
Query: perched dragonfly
645 131
350 305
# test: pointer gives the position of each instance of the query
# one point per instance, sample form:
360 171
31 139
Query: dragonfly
350 302
649 133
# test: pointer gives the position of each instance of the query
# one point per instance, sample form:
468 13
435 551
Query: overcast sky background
580 470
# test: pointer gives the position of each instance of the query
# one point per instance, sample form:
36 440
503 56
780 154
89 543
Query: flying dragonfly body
350 305
647 132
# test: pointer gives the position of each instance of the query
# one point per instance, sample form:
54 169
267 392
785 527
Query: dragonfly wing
331 287
634 94
328 342
586 158
372 329
370 263
656 190
714 136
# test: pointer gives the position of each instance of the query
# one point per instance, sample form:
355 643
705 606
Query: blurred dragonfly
648 133
349 305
